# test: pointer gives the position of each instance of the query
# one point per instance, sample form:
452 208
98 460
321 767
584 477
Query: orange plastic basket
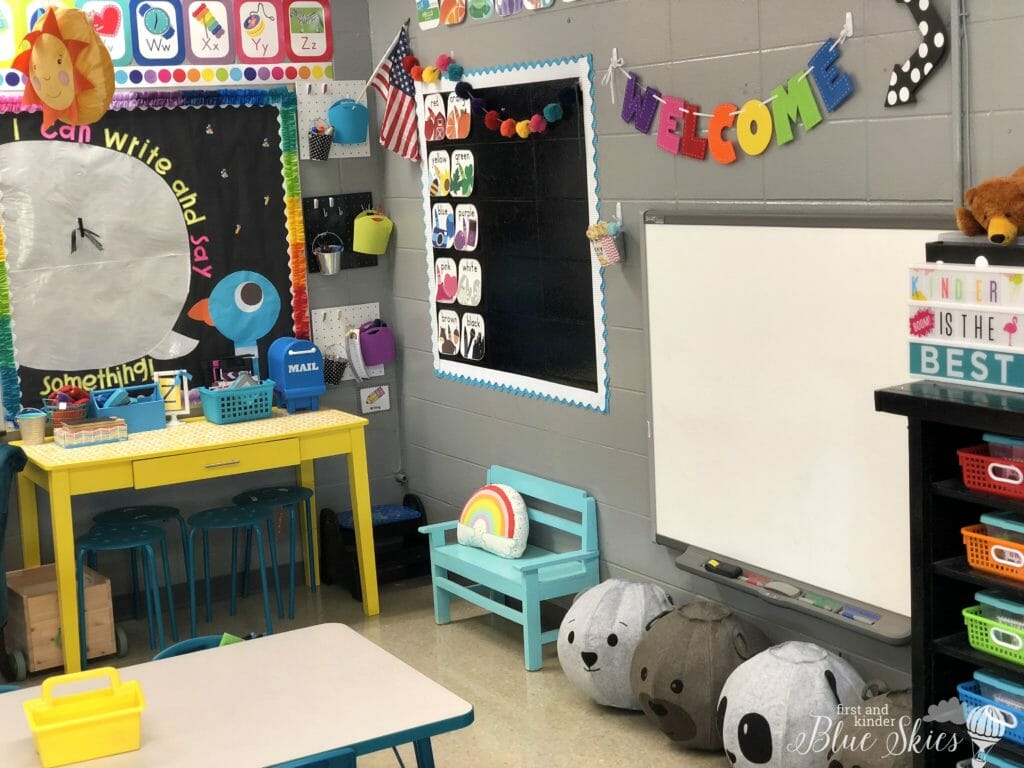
71 412
982 472
987 553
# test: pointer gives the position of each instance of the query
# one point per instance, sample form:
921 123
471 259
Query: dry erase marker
756 579
820 601
723 569
859 615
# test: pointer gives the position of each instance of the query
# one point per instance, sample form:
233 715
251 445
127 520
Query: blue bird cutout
244 306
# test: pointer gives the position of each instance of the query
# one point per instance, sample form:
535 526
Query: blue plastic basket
229 406
971 699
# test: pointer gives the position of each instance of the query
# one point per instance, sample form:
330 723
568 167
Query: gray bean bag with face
865 746
771 706
599 634
682 663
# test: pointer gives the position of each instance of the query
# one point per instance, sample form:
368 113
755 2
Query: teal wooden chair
233 518
135 537
538 575
289 497
149 514
12 460
189 645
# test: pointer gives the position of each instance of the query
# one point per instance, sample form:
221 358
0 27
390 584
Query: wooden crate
34 621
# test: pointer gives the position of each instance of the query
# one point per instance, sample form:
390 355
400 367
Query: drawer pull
218 464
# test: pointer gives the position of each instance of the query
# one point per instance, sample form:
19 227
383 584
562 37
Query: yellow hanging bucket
371 232
84 726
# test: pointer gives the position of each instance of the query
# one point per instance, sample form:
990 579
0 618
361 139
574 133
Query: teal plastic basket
229 406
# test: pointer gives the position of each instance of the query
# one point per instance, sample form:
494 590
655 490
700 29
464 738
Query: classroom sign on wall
175 43
516 300
166 235
966 324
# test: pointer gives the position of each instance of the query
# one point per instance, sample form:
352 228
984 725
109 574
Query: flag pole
387 53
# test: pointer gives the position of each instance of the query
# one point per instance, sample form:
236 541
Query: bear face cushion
495 519
682 663
599 634
867 744
771 705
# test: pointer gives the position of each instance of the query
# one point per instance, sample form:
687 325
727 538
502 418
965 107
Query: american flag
398 128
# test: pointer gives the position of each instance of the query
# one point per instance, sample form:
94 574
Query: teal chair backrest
191 645
8 688
12 461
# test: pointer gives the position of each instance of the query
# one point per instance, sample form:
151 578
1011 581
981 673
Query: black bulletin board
540 304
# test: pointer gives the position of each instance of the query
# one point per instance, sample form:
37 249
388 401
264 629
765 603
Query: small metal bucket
328 255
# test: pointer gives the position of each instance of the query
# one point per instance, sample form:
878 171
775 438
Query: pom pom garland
553 112
492 120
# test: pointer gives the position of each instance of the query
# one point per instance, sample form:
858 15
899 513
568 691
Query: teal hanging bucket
351 121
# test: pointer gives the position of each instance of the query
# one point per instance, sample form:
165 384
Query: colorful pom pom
454 72
462 90
416 73
431 74
443 61
492 121
479 106
523 129
553 112
567 97
409 62
508 128
614 228
538 124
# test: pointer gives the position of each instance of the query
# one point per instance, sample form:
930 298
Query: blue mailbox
297 368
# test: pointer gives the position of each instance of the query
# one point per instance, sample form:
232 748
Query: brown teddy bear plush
994 208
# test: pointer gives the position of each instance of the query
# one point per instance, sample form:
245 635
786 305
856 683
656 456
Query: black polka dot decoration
907 77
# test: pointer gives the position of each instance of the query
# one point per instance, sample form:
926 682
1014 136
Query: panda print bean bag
601 631
771 705
682 663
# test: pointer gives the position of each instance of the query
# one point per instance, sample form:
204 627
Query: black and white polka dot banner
906 78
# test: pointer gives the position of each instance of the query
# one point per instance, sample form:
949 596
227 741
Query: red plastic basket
982 472
987 553
71 412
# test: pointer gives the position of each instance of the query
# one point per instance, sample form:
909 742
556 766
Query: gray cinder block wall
862 158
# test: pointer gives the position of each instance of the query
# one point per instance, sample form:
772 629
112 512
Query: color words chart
963 323
176 43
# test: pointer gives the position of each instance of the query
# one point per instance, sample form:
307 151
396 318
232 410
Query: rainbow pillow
495 520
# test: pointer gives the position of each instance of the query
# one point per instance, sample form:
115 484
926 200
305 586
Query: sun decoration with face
69 70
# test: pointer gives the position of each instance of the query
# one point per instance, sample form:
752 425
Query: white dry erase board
766 346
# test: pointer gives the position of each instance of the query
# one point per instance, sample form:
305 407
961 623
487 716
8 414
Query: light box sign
963 323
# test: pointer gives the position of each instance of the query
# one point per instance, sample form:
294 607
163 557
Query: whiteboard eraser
783 588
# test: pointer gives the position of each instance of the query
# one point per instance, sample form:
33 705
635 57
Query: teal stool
289 497
233 518
148 514
119 537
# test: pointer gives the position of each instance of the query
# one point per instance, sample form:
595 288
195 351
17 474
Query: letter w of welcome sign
964 322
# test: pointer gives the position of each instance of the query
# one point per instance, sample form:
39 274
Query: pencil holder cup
377 342
608 250
319 146
32 422
328 254
334 368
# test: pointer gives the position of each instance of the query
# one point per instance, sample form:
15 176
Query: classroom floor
523 719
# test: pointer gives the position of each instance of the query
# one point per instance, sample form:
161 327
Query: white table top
263 702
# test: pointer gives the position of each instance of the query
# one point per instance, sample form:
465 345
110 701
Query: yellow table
194 450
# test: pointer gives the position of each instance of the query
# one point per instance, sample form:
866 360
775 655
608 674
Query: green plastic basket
992 637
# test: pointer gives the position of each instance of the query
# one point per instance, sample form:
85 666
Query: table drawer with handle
186 467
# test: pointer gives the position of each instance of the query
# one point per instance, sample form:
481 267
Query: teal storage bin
145 414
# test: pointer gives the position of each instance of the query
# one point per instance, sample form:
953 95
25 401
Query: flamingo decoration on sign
1011 328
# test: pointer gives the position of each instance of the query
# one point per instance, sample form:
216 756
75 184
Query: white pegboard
331 323
315 97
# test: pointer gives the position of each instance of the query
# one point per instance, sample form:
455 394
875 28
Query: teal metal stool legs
133 537
289 497
230 518
149 514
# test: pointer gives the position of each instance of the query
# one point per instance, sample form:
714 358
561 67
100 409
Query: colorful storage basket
984 472
988 553
229 406
971 698
992 637
85 726
70 412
